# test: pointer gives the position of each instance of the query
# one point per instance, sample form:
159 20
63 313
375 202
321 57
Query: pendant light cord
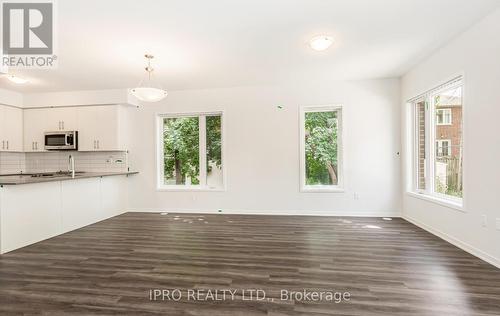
149 69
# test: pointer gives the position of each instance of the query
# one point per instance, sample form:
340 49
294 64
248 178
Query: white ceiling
224 43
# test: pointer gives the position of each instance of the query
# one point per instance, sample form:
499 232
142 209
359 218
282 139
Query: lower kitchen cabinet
113 196
78 209
30 213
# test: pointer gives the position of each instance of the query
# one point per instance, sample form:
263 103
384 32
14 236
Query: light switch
484 221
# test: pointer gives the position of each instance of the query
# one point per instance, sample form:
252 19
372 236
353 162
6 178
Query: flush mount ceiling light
16 79
147 90
321 43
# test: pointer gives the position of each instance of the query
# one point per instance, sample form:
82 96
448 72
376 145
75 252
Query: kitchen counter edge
29 180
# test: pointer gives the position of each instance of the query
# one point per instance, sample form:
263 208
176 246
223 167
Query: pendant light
321 43
147 90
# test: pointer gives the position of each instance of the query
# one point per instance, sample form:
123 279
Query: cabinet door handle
3 144
36 145
7 145
95 144
98 146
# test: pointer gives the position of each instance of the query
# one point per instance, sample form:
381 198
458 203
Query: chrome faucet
71 166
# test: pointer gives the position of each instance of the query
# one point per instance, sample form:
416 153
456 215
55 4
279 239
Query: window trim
429 193
338 188
160 186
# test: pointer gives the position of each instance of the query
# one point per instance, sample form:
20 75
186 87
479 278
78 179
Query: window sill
322 189
434 199
188 189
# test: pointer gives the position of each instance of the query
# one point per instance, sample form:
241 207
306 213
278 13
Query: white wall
262 150
8 97
476 54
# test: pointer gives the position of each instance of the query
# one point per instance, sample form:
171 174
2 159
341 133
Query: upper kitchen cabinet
11 129
101 128
37 121
61 119
35 125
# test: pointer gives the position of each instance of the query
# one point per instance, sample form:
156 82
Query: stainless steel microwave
67 140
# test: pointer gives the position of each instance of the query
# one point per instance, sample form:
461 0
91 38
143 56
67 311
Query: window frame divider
202 141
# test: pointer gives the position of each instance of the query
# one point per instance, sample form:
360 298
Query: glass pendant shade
148 94
147 91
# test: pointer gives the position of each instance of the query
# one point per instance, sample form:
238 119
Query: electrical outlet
498 224
356 195
484 221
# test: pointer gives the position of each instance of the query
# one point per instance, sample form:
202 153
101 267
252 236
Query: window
442 148
190 152
321 148
438 142
443 116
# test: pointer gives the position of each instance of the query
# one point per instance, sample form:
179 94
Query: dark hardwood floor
110 268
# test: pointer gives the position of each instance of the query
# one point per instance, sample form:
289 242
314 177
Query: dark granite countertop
16 179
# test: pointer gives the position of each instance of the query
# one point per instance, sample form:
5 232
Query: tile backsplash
12 162
115 161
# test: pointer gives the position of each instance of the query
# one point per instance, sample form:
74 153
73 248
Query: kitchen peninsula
35 207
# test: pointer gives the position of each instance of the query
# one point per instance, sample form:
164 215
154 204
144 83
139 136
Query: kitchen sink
55 174
42 175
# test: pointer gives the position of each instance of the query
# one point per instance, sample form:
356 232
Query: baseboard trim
456 242
271 212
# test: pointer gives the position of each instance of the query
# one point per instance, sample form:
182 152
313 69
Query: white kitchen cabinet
86 126
61 119
101 128
29 213
79 209
35 125
11 129
113 195
41 120
108 129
